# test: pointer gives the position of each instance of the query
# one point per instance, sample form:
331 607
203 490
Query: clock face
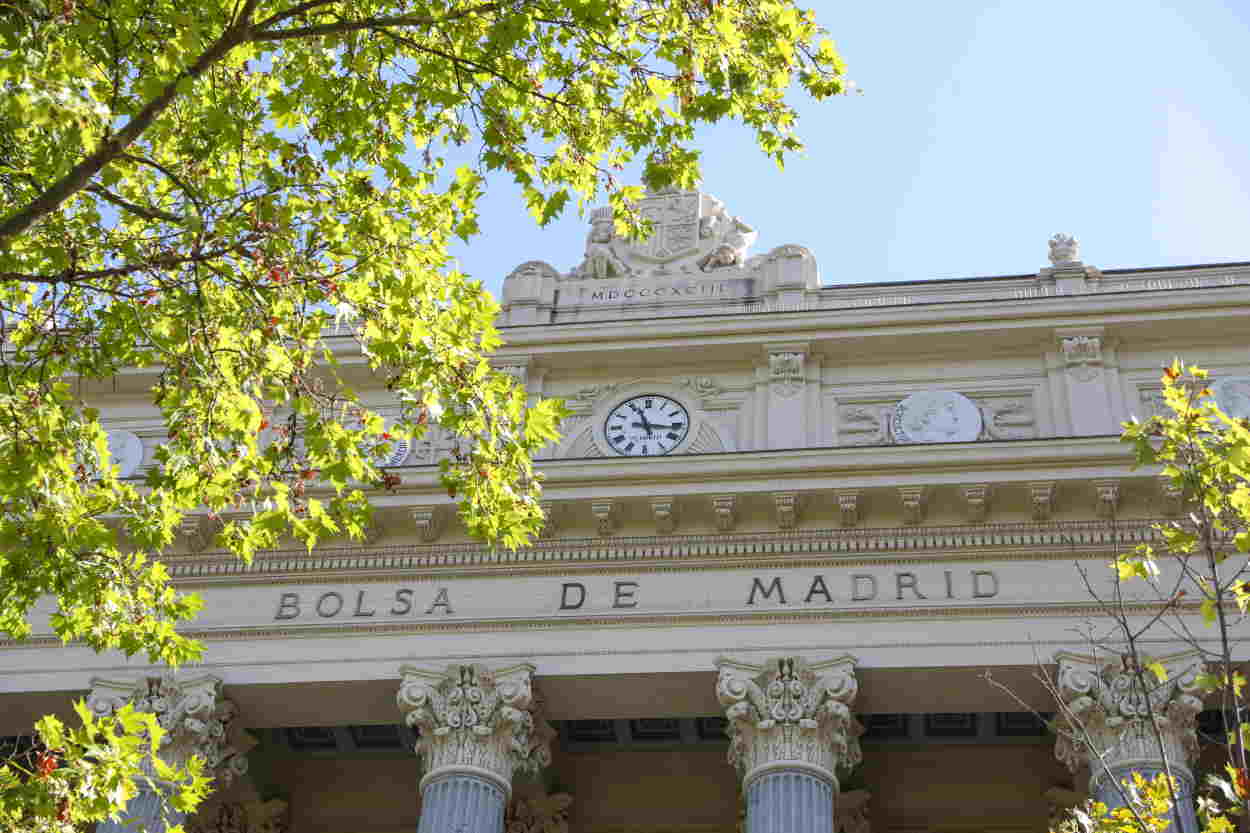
646 425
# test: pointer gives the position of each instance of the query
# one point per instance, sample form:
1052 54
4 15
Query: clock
646 425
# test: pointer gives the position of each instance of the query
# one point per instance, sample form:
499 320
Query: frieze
869 544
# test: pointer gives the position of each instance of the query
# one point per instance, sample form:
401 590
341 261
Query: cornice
807 469
843 547
931 318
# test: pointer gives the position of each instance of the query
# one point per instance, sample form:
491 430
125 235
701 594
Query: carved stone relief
785 371
1003 416
242 817
1082 355
546 813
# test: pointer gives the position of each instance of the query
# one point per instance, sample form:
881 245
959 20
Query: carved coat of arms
691 232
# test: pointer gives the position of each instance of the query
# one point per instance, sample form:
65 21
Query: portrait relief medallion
1233 396
126 449
936 416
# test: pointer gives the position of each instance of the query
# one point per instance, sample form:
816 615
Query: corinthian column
790 730
196 719
477 729
1105 723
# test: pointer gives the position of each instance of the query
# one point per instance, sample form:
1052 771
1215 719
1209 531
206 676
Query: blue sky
982 129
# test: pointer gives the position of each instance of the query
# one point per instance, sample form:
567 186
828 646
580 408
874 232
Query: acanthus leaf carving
470 717
196 716
788 710
242 817
546 813
1106 704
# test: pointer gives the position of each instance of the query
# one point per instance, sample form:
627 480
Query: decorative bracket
915 499
1106 497
725 507
428 521
1042 496
787 508
664 510
848 506
191 530
976 501
550 522
605 515
1171 496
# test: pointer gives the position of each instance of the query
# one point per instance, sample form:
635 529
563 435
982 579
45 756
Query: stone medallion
936 416
1233 396
126 449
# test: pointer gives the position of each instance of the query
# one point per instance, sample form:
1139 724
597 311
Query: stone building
809 549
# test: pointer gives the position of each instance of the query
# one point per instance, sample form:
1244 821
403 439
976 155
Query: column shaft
789 801
461 803
142 815
1185 812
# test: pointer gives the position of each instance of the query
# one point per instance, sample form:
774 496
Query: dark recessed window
655 728
1019 725
711 728
878 726
591 731
311 737
950 725
376 737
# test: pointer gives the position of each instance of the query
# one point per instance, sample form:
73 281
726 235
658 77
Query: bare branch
133 208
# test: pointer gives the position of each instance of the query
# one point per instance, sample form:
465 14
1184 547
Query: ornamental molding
976 498
196 716
785 372
1106 497
1106 706
887 545
725 508
471 719
786 507
664 512
789 713
242 817
848 506
915 499
1082 356
545 813
1042 498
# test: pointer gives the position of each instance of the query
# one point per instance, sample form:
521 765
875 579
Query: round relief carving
936 416
1233 396
126 449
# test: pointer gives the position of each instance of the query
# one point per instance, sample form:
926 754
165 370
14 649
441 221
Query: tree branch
80 175
357 25
71 277
133 208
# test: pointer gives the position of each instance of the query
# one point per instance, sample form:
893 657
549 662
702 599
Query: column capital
475 720
790 714
1103 697
196 716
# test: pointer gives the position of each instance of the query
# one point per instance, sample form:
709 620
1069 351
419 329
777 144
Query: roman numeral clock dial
646 426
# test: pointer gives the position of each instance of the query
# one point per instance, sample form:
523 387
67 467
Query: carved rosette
1107 702
789 714
195 716
477 721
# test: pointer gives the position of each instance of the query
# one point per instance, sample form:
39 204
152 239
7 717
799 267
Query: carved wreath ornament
790 711
469 716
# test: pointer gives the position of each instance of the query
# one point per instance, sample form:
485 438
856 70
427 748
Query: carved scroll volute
1106 705
196 716
790 714
473 719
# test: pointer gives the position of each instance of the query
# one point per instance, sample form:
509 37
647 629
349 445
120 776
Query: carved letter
441 600
625 591
977 592
403 597
756 584
288 606
360 601
818 586
908 581
872 584
565 604
338 605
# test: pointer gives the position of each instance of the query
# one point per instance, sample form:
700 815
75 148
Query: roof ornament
1064 250
691 233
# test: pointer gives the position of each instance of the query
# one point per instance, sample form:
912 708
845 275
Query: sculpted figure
735 238
601 261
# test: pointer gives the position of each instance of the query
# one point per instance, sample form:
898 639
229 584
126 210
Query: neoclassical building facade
811 551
